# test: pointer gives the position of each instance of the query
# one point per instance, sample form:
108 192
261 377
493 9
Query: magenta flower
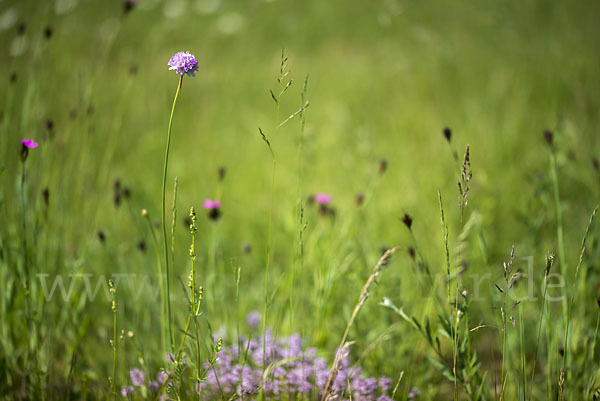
323 199
29 143
213 207
184 63
211 204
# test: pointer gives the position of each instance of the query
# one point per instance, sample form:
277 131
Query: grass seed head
549 137
407 220
447 134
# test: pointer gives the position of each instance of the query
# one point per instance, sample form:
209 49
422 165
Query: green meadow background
383 79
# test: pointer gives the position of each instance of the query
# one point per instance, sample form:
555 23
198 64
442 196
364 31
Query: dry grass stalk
364 295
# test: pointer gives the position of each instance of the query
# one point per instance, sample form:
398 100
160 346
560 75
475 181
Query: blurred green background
384 78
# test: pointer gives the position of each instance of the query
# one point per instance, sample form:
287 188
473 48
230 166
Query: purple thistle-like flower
184 63
29 143
253 319
323 199
137 377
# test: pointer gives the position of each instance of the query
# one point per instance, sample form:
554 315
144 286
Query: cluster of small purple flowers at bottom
184 63
298 372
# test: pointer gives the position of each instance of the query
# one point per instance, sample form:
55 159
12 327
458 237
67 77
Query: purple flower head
184 63
162 376
384 384
253 319
323 199
127 390
414 394
137 377
153 385
211 204
29 143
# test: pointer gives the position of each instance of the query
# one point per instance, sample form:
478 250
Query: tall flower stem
31 324
163 215
267 265
160 277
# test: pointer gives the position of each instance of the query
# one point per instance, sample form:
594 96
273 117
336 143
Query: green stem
538 335
163 215
114 380
267 265
502 378
559 225
160 281
588 388
177 358
523 362
31 327
455 348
